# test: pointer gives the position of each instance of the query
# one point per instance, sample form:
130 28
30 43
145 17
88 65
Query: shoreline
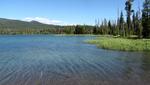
56 35
121 44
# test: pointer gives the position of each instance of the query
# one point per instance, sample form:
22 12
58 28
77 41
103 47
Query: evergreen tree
121 27
133 30
95 30
79 30
110 27
146 19
106 30
117 31
138 25
129 11
102 28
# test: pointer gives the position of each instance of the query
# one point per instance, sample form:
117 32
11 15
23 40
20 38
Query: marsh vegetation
123 44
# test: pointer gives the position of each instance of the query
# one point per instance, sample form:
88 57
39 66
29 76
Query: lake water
67 60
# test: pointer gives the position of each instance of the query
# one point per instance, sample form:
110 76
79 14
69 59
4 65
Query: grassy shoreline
61 35
121 44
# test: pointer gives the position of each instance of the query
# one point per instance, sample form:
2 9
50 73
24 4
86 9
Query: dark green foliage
117 31
129 11
69 29
8 26
78 30
83 29
95 30
133 24
146 19
121 25
110 27
138 25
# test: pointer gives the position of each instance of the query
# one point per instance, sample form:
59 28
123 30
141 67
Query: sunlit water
67 60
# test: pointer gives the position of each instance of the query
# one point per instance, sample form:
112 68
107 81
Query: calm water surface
67 60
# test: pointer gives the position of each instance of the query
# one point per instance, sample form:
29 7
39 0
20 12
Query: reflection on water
146 65
55 60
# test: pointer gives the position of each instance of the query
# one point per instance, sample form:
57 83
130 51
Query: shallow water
67 60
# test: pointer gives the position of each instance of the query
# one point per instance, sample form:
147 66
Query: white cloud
48 21
43 20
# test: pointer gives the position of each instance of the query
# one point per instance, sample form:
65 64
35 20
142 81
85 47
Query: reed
122 44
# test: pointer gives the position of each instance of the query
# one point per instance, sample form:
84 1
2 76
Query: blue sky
62 11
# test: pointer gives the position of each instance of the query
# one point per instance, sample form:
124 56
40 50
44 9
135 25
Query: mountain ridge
18 24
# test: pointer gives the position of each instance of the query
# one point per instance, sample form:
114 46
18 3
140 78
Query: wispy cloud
47 21
43 20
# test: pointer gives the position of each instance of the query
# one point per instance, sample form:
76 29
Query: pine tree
129 11
146 19
110 27
95 30
79 30
117 31
121 27
138 25
133 24
106 30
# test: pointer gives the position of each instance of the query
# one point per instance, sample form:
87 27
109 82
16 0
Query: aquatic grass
82 35
122 44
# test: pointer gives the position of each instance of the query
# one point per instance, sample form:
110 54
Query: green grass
121 44
82 35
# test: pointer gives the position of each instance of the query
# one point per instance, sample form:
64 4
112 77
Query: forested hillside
8 26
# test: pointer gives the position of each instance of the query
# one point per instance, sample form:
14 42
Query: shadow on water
66 60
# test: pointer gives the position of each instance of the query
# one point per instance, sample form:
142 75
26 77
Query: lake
67 60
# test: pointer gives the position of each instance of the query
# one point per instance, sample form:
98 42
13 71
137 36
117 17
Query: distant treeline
137 23
13 27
